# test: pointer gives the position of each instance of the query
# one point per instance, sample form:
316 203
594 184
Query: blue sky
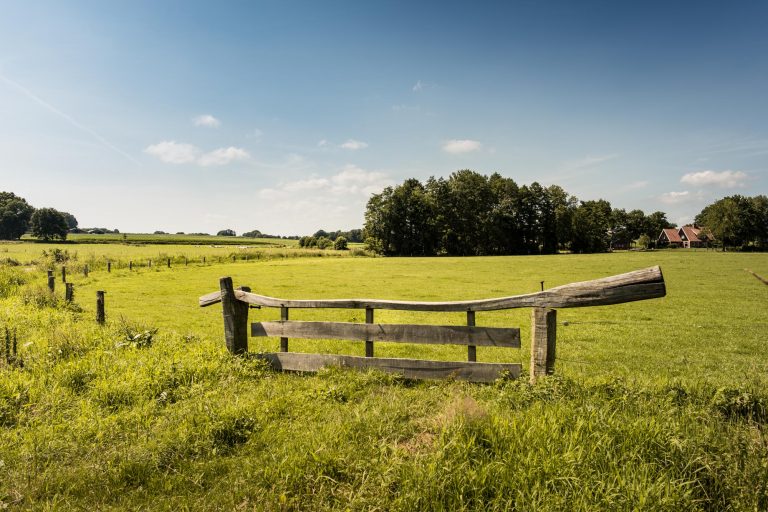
285 116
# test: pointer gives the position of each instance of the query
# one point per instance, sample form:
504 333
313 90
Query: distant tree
644 241
252 234
734 220
226 232
49 224
340 244
654 223
15 215
591 223
71 220
179 232
320 233
159 232
323 242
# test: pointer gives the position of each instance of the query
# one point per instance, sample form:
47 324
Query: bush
340 244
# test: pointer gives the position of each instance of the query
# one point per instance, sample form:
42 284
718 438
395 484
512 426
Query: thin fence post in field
64 274
186 261
284 318
169 262
543 342
471 349
235 314
109 266
69 294
368 341
130 265
51 281
149 263
100 314
203 259
85 270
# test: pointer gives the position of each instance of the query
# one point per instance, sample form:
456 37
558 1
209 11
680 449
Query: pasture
655 405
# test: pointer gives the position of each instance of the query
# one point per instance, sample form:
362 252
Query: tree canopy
15 214
49 224
738 221
472 214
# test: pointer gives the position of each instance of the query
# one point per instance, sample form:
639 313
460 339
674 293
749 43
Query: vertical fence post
186 261
471 349
69 294
85 270
109 266
543 338
130 265
283 318
169 262
149 263
203 259
51 281
235 315
368 340
100 314
64 274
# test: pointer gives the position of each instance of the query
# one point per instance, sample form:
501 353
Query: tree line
18 217
738 221
470 214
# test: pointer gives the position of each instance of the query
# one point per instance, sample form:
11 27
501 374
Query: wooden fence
638 285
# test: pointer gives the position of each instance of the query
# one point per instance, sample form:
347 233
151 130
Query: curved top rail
641 284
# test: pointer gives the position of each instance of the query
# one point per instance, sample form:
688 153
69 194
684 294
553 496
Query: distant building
687 236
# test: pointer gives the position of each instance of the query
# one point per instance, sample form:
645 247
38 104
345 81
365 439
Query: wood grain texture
543 342
409 368
404 333
641 284
235 315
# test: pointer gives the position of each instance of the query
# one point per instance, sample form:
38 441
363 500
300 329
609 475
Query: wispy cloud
723 179
635 185
172 152
353 144
67 118
677 197
207 121
418 86
322 143
458 146
590 161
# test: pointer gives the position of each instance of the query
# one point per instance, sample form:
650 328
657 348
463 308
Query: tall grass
125 416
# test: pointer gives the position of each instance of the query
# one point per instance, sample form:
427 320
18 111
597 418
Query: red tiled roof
672 235
691 233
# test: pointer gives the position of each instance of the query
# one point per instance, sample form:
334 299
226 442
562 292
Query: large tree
15 215
737 220
49 224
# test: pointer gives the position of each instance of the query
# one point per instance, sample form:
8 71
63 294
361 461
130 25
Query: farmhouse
687 236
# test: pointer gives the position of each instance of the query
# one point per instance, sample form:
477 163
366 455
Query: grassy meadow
655 405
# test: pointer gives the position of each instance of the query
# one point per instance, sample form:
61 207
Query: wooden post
284 318
471 349
64 274
368 342
100 315
69 294
543 336
235 315
85 270
130 265
51 281
149 263
109 266
186 261
203 259
169 262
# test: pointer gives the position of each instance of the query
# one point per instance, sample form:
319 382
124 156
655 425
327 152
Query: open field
656 405
169 239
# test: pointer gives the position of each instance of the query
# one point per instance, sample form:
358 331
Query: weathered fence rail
638 285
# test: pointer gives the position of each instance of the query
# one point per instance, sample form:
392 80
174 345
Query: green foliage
340 244
15 215
226 232
738 221
48 224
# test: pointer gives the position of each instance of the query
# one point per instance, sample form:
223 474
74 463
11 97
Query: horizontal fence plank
405 333
641 284
409 368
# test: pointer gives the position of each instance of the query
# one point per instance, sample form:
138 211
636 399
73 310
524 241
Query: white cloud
723 179
354 145
222 156
418 86
458 146
322 143
172 152
206 120
350 183
675 197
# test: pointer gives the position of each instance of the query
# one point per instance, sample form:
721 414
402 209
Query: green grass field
656 405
